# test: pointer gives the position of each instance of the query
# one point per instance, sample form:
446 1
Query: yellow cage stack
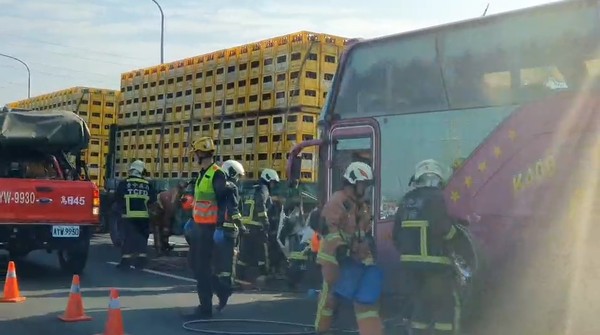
99 109
244 92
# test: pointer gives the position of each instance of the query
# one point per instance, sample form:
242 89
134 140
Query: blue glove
219 236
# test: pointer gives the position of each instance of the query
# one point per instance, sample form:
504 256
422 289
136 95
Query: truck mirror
296 168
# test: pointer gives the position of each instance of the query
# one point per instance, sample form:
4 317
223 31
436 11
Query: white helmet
233 169
269 175
428 173
358 171
137 168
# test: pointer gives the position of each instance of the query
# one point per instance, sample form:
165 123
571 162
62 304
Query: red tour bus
510 104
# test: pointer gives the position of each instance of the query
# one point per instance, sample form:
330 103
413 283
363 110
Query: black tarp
49 131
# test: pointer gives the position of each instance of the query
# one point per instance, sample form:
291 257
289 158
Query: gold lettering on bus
535 173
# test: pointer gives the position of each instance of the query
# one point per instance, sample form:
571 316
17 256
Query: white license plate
65 231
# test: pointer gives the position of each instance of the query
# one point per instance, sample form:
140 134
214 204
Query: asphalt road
152 302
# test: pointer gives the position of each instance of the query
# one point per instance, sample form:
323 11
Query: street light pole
28 72
164 113
162 32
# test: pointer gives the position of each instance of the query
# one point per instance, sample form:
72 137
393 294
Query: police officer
209 209
227 231
346 221
254 246
422 233
133 196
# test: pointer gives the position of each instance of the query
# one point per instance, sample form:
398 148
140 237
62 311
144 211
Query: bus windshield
498 61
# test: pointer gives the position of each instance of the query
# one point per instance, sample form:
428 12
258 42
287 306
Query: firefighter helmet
358 171
137 167
233 169
203 144
428 173
269 175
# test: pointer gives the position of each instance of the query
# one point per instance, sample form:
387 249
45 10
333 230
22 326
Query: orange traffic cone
11 286
74 311
114 324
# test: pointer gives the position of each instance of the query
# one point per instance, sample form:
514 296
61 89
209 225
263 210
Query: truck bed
40 201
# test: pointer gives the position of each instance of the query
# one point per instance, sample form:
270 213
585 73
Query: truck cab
47 201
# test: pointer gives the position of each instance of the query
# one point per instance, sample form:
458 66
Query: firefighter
254 245
227 232
422 233
133 196
344 246
209 209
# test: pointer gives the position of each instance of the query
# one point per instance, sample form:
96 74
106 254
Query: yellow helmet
203 144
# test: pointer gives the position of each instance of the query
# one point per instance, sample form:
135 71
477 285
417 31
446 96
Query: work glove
238 223
219 236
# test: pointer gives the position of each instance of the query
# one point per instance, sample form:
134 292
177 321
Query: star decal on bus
497 152
512 135
482 166
468 181
455 196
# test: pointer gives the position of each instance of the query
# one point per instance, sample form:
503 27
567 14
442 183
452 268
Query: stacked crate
243 92
99 109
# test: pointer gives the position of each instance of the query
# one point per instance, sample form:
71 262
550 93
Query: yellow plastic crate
253 102
264 125
255 51
281 100
221 66
254 85
301 123
238 144
276 125
241 105
267 101
282 54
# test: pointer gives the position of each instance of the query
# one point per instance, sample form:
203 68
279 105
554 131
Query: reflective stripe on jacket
419 229
136 198
205 206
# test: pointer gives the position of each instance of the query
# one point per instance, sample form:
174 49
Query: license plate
65 231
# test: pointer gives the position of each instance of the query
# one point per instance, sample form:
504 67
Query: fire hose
307 329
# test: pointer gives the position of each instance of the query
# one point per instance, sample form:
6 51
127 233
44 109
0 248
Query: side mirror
296 168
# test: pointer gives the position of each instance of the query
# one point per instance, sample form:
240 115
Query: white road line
158 273
171 241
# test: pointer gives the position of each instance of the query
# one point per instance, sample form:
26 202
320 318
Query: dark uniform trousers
200 258
211 263
135 241
253 251
436 306
223 263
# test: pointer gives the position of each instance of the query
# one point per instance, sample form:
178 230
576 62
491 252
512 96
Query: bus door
350 142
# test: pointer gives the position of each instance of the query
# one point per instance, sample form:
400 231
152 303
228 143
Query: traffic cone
11 286
114 324
75 311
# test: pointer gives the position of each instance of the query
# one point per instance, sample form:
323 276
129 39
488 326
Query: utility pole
28 72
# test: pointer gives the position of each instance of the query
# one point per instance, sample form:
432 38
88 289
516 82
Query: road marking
164 274
175 242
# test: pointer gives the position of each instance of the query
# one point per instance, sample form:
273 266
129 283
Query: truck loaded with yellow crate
256 100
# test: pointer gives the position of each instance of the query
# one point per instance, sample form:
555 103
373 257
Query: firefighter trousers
200 258
367 316
253 251
436 305
135 241
223 265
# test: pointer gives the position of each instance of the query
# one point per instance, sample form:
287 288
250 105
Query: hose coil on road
189 327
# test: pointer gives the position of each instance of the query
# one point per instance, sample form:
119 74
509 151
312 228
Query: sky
70 43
